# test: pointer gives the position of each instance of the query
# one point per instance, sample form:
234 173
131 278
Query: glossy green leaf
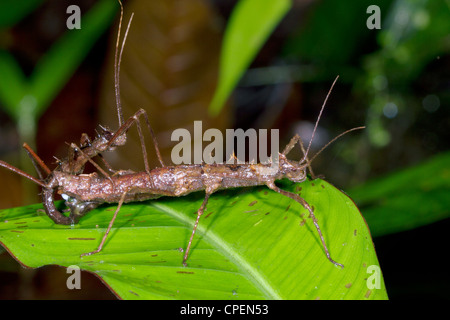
250 24
407 199
250 244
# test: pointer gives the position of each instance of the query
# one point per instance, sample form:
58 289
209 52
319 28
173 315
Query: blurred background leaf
249 26
68 52
406 199
11 12
13 84
54 69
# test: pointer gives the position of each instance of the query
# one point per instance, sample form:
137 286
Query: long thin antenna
318 119
333 140
37 161
118 67
117 60
22 173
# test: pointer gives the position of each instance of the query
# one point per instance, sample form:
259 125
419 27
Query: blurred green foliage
398 77
11 11
249 26
413 34
26 98
333 37
406 199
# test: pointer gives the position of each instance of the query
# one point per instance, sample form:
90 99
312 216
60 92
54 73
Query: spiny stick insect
84 192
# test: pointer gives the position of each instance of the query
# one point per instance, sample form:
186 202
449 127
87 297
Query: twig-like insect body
84 192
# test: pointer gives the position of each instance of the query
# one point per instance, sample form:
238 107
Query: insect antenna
37 162
305 153
317 123
117 60
22 173
333 140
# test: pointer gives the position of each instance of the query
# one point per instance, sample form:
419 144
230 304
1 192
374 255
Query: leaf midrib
246 268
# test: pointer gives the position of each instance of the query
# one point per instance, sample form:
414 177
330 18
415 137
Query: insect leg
155 142
308 162
107 165
122 199
126 126
141 139
199 214
291 145
305 204
76 148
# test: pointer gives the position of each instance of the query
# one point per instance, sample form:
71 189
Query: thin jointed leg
126 126
74 147
291 145
122 199
302 201
199 214
308 163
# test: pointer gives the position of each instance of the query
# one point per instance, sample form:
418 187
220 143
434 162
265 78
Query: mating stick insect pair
84 192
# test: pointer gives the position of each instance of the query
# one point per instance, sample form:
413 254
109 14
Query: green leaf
250 24
250 244
407 199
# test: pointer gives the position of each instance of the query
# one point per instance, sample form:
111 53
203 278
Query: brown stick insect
84 192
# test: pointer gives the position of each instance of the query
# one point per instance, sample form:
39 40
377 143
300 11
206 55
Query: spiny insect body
84 192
